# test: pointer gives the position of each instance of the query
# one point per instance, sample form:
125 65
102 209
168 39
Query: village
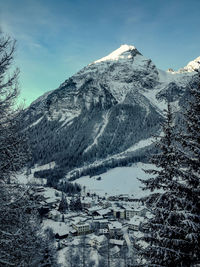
98 222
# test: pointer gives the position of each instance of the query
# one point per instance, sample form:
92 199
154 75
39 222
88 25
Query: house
93 210
103 231
97 241
73 232
99 224
130 212
123 197
134 210
114 252
117 242
80 224
54 215
119 213
134 223
60 229
115 228
82 228
106 204
87 202
104 212
112 198
52 198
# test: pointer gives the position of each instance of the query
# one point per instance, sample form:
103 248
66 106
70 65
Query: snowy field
24 178
120 180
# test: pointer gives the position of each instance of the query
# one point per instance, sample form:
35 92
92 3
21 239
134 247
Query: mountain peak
193 65
123 52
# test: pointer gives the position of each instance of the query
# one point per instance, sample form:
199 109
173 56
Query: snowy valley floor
120 180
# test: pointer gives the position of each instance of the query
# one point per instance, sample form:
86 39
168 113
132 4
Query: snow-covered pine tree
22 241
72 204
189 157
63 206
165 232
78 204
13 148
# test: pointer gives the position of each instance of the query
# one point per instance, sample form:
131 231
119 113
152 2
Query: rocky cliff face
105 114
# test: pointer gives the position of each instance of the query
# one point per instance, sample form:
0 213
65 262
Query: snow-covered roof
114 250
87 200
54 212
117 242
50 195
136 220
79 219
135 208
149 215
100 238
96 208
97 218
101 220
115 225
81 224
58 227
103 211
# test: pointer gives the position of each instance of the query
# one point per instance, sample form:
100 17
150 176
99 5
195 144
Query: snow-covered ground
120 180
100 130
24 178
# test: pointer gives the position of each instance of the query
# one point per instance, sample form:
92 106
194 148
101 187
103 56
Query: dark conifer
168 231
63 206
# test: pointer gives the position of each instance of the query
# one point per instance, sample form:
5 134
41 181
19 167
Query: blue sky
56 38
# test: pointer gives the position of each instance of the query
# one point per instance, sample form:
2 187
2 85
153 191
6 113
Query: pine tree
166 233
72 204
13 147
189 154
63 206
22 242
78 204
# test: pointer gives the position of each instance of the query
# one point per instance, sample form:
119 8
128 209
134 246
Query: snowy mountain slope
103 111
192 66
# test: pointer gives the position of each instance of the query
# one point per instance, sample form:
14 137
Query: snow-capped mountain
193 65
104 115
